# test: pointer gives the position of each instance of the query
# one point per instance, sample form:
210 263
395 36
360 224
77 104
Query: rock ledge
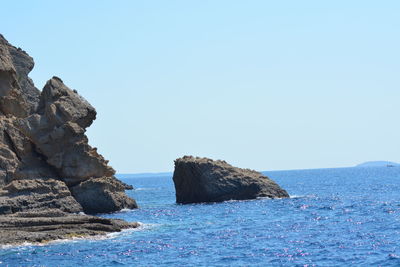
41 227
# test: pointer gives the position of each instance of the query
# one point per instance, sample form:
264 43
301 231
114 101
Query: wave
148 188
124 210
302 196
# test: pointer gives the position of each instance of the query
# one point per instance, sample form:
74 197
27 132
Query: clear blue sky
262 84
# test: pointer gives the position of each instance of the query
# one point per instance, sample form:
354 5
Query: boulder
104 194
205 180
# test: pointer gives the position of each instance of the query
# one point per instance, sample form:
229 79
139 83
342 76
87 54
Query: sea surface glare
335 217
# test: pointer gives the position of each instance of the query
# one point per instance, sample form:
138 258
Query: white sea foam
125 210
147 226
270 198
247 200
147 188
297 196
141 227
24 244
302 196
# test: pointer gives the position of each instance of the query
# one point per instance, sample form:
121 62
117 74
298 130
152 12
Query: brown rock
18 95
105 194
43 142
37 194
204 180
57 131
44 226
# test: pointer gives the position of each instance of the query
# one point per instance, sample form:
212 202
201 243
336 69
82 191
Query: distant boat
381 163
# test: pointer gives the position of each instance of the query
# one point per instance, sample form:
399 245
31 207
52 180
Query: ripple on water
333 217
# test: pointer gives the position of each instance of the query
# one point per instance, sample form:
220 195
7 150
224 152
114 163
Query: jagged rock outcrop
204 180
57 130
42 134
44 152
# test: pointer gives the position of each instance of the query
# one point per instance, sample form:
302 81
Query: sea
334 217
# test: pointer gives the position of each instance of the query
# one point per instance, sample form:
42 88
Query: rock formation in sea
45 159
205 180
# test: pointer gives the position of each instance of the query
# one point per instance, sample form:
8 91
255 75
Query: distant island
378 164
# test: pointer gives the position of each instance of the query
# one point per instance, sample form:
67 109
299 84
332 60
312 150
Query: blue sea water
335 217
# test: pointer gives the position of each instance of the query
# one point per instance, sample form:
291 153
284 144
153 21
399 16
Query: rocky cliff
45 158
204 180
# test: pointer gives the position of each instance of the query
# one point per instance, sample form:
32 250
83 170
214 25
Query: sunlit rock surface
204 180
44 152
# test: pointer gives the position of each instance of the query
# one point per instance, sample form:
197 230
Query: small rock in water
204 180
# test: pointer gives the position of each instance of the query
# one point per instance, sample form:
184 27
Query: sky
266 85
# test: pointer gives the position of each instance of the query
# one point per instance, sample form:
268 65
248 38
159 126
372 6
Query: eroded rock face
103 194
43 141
37 194
58 132
204 180
18 95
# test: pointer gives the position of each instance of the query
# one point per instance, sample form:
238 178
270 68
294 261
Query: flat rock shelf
40 227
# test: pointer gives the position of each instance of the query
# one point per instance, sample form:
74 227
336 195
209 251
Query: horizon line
276 170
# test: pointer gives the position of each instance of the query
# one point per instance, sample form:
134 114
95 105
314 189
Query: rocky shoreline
49 225
49 174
